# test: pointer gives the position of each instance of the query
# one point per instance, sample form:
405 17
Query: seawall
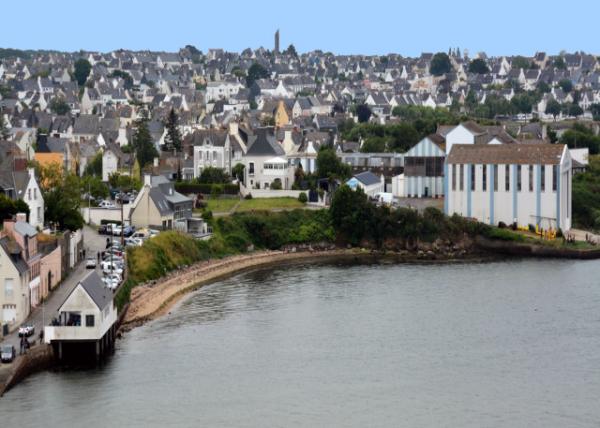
37 358
522 249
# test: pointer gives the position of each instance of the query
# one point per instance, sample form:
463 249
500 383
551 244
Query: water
514 344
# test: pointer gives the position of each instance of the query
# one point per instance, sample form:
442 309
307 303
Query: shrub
502 225
207 215
303 198
248 196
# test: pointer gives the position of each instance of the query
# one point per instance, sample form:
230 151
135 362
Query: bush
248 196
302 198
206 189
531 228
502 225
207 215
276 184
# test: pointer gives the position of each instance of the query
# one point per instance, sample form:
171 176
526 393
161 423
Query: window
531 178
29 194
472 177
484 179
35 194
495 179
462 177
8 287
519 183
251 168
554 177
453 176
543 178
507 177
89 320
39 213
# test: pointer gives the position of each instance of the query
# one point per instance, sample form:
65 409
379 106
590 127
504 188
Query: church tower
276 50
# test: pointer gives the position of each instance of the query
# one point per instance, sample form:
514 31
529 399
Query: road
43 314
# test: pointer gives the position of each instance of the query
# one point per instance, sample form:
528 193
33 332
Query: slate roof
95 288
9 248
25 229
520 154
264 144
367 178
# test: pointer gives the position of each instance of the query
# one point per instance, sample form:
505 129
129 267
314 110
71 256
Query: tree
543 87
145 152
520 62
440 64
62 203
291 50
82 70
255 72
553 108
123 182
238 171
173 137
573 109
595 109
59 106
94 185
478 66
363 112
350 213
22 207
212 175
559 63
566 85
330 166
94 166
7 207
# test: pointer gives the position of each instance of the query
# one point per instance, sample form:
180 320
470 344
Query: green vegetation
586 197
330 166
580 136
173 138
82 70
256 72
62 196
440 64
478 66
59 106
269 204
143 146
211 175
221 205
9 208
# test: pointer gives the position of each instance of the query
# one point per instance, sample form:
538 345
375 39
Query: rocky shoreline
155 298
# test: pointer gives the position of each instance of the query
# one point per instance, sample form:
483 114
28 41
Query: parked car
134 242
128 231
8 353
106 204
26 330
116 231
111 267
110 282
90 263
103 229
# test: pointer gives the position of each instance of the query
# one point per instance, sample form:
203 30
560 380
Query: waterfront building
424 168
87 317
526 184
265 162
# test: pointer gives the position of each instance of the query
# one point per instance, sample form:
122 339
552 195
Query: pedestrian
98 256
21 346
42 335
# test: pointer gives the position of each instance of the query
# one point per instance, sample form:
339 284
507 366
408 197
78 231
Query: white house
110 164
15 296
265 162
368 182
511 183
424 168
222 90
88 314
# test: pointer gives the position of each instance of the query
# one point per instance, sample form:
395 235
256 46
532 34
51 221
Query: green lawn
269 204
221 205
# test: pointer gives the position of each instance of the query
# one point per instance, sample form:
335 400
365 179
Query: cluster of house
32 264
272 125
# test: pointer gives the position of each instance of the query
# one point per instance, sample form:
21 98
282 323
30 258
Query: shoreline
156 298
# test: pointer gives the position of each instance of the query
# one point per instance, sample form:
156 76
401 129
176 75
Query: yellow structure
281 115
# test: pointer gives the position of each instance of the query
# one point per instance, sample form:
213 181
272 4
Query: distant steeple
276 50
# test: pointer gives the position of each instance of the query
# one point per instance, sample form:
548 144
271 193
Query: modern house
424 168
86 319
265 162
159 205
370 183
526 184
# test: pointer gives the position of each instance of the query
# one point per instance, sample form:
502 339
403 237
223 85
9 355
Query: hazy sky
503 27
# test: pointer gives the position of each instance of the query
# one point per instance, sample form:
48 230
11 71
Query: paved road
44 314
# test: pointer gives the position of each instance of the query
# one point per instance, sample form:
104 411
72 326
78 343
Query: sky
506 27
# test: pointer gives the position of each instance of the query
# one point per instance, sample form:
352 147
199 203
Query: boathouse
86 322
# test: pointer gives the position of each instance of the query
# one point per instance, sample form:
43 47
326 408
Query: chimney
148 180
233 128
155 163
31 172
21 217
544 131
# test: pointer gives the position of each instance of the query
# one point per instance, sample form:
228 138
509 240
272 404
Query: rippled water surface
514 344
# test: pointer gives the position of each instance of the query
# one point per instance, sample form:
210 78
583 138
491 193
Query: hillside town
127 140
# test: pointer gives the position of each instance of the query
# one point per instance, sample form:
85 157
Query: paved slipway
40 316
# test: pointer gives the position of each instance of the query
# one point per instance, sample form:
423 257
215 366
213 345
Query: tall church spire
276 50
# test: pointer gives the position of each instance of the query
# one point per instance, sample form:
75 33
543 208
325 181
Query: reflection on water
497 344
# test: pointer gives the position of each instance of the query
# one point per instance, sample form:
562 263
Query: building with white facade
526 184
370 183
265 162
424 168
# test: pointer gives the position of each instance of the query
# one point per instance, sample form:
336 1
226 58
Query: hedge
207 189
